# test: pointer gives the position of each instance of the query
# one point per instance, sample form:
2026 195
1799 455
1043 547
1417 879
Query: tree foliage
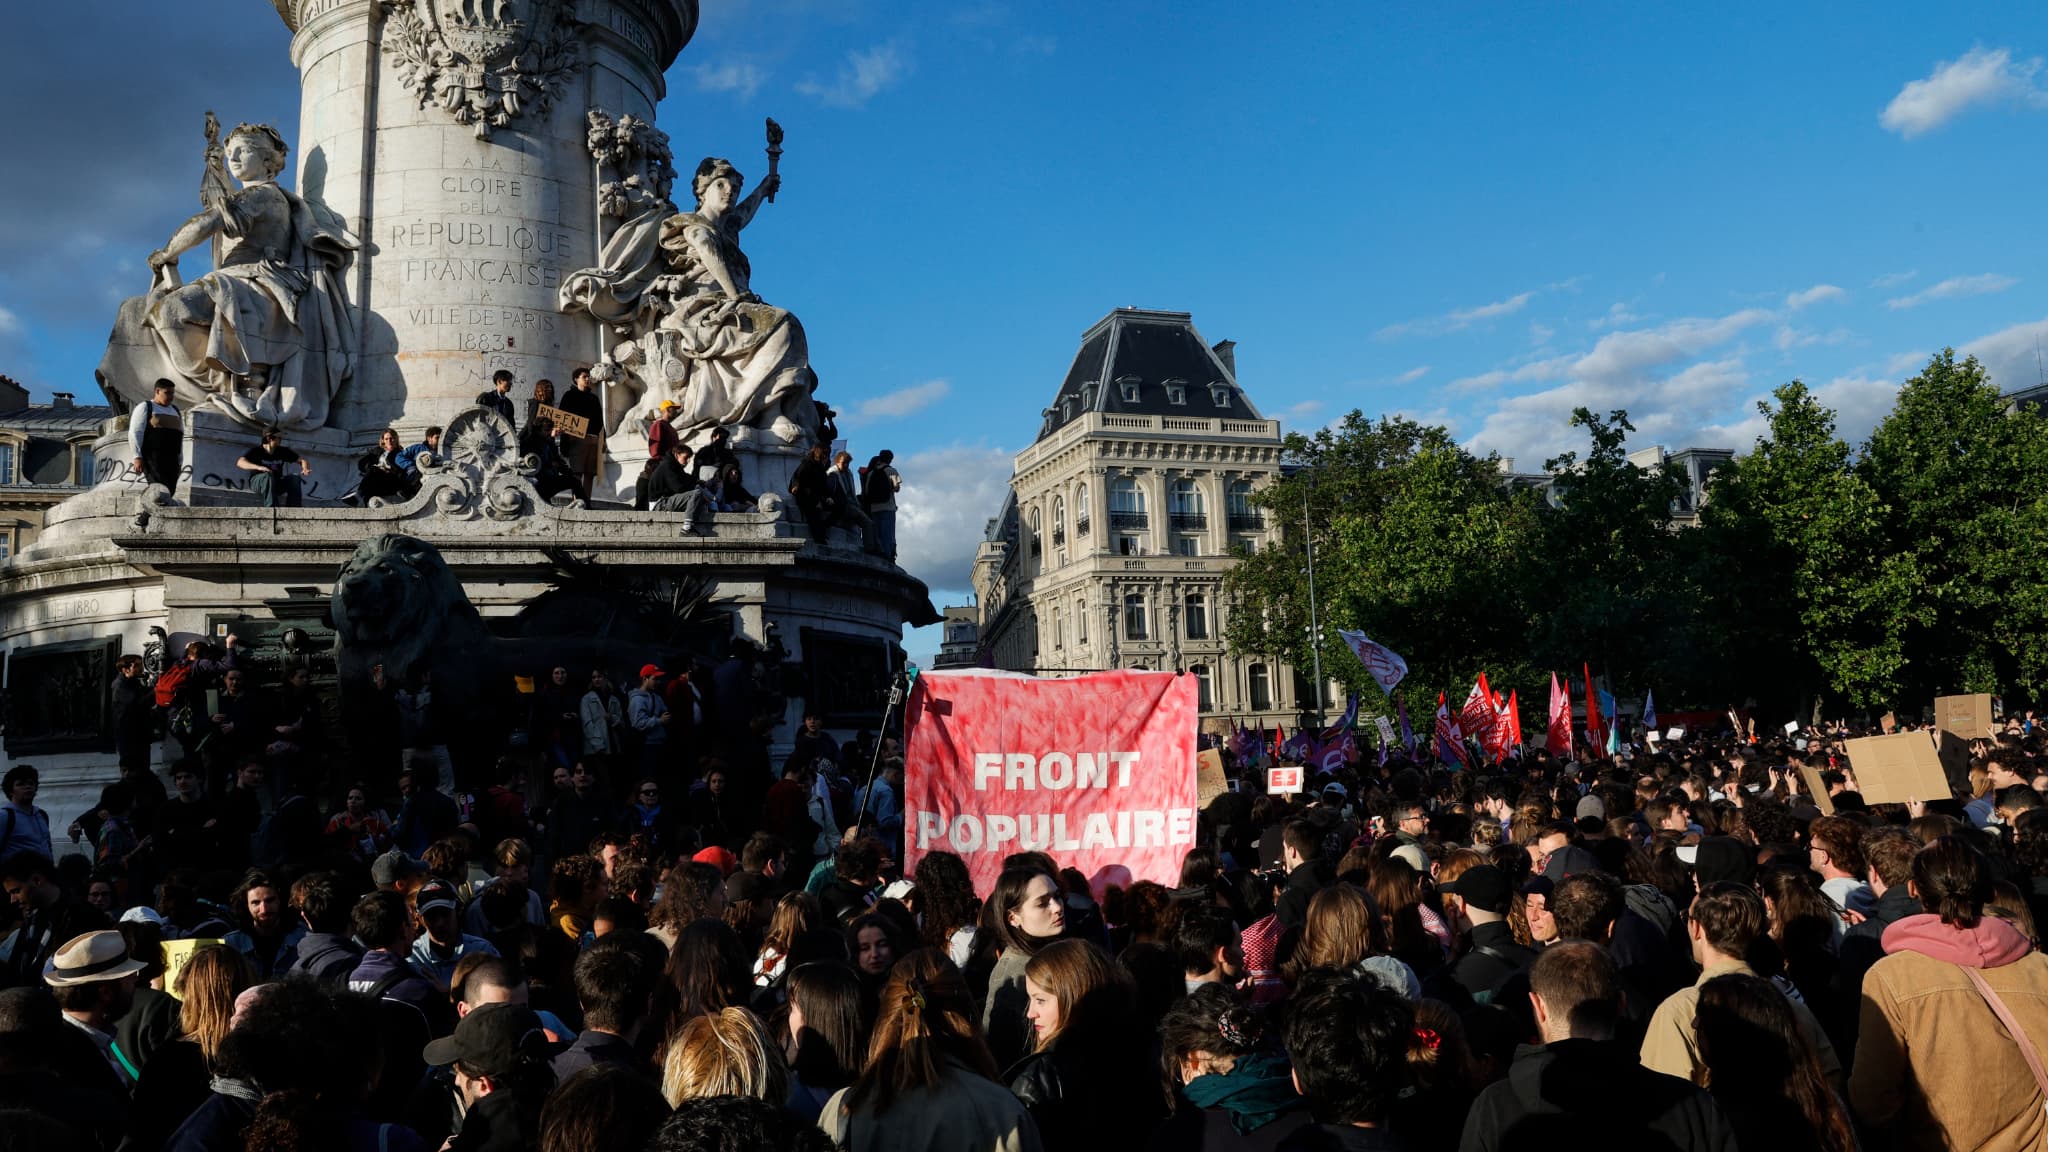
1873 578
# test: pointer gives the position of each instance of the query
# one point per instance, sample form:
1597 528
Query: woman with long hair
1946 1014
727 1053
1763 1070
1432 1115
1024 914
603 1106
796 915
946 905
706 974
1228 1082
1342 930
1802 929
1397 889
871 942
1085 1080
824 1036
929 1084
179 1074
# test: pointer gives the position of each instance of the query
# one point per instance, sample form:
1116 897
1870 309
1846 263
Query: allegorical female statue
264 336
697 334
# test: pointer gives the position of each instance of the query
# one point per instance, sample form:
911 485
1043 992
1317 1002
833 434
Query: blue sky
1477 214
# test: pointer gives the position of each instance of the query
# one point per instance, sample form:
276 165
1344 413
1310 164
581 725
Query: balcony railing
1059 537
1081 526
1190 521
1128 521
1247 522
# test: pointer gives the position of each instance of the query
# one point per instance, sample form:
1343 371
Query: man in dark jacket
498 397
1477 903
1347 1036
581 454
674 488
1888 853
1583 1088
1301 853
500 1056
326 953
615 986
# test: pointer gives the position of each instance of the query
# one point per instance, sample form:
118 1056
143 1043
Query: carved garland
491 75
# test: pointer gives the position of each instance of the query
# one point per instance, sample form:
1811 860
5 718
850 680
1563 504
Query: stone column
450 134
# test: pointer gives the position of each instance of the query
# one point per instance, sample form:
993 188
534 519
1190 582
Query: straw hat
93 956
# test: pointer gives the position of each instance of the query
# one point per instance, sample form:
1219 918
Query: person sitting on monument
661 440
384 473
273 482
674 488
156 435
732 496
429 445
712 460
551 474
498 397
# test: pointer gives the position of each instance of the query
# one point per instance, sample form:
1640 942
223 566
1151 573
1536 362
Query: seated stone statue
266 335
716 350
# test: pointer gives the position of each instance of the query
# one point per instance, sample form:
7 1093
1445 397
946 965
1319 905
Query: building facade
45 456
1125 514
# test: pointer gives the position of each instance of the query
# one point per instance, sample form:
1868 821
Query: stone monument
475 185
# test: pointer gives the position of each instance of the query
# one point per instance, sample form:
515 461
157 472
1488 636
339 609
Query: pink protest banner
1097 770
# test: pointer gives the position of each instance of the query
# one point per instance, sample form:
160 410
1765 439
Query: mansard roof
1160 360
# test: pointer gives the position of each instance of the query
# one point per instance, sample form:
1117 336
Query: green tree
1963 482
1607 570
1796 591
1418 544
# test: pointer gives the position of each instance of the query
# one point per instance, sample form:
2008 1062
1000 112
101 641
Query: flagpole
1315 629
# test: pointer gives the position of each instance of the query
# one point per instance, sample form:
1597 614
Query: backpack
169 681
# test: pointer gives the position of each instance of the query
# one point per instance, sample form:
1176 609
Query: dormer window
1220 394
1088 395
1176 391
1066 408
1128 387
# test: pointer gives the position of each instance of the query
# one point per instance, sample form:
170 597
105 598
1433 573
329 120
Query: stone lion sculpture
396 606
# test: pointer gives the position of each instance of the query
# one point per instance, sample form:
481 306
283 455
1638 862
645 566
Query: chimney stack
61 401
1226 351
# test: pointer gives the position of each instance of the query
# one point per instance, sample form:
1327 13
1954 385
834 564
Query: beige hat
93 956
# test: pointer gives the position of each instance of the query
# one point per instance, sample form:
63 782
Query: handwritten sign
1209 779
568 424
177 954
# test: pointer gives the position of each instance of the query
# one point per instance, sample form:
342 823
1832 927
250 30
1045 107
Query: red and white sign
1279 780
1098 771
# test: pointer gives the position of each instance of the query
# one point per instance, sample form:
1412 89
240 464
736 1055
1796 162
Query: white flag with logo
1384 663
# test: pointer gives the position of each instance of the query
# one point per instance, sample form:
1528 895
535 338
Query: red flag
1450 743
1514 720
1557 738
1279 739
1596 724
1476 717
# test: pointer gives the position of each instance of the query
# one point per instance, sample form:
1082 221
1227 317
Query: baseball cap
647 670
1333 788
1591 805
436 894
392 867
1484 887
719 858
1413 856
494 1040
669 405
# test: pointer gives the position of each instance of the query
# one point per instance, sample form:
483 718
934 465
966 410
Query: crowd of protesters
616 948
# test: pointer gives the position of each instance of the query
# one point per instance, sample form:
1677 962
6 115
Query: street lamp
1314 626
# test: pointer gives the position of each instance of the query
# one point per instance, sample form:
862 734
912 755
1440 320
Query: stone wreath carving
482 473
487 62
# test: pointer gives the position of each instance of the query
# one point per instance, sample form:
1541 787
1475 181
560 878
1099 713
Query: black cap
494 1040
1721 858
1483 887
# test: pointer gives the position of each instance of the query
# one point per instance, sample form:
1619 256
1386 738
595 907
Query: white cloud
1894 279
1303 412
1789 337
948 496
10 324
740 77
1624 356
1954 287
1552 368
1813 295
1617 315
1979 76
2013 356
1540 334
1457 320
864 75
1412 375
900 403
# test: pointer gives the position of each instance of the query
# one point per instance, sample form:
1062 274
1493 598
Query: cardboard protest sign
1280 780
177 954
566 423
1966 716
1097 770
1897 768
1888 723
1675 732
1209 779
1791 726
1817 789
1386 728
